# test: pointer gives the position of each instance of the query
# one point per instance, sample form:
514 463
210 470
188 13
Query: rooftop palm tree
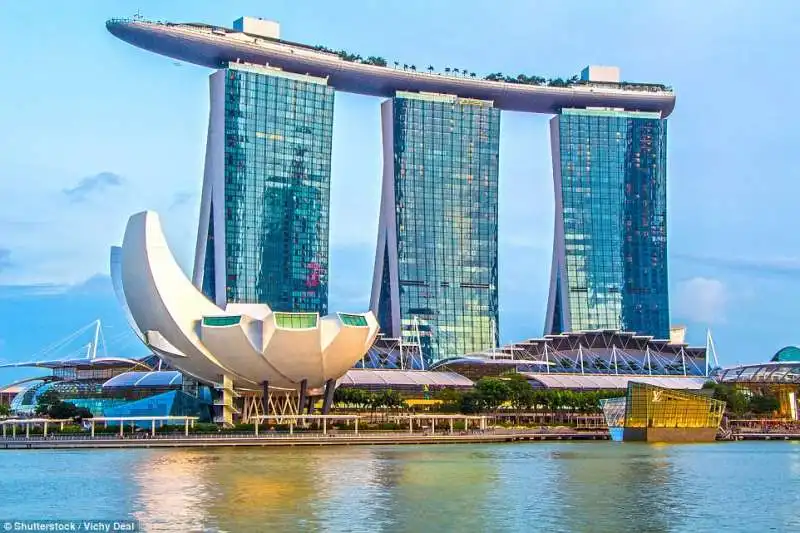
396 64
430 68
447 70
414 68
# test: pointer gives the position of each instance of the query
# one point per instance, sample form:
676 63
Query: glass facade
353 320
221 321
295 320
612 270
445 153
278 132
648 406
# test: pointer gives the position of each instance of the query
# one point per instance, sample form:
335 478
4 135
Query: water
593 486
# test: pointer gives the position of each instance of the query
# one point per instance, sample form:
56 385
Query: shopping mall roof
167 378
595 381
402 378
771 372
83 362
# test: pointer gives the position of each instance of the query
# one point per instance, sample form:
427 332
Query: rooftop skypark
258 41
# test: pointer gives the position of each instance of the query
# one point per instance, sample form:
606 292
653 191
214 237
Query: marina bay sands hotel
263 232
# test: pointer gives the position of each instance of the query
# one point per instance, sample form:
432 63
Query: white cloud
701 299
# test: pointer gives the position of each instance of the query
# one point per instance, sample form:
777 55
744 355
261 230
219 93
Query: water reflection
526 487
173 489
600 488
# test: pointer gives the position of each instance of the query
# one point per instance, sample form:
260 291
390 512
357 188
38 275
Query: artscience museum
276 360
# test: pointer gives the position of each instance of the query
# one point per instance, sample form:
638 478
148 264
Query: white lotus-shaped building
244 345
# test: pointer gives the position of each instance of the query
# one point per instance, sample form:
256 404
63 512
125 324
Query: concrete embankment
306 440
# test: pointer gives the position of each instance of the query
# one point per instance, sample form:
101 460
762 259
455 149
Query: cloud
90 184
702 300
180 199
776 266
5 258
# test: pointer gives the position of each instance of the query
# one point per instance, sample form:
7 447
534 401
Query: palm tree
414 68
396 64
456 71
430 68
405 66
471 74
447 70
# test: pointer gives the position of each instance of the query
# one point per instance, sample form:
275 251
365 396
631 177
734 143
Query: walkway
284 439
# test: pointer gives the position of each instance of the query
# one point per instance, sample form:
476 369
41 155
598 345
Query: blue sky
95 129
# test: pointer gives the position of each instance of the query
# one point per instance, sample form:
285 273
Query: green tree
736 401
471 402
62 410
5 410
46 401
492 392
451 399
520 393
765 404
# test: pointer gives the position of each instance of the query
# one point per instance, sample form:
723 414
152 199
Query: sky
95 130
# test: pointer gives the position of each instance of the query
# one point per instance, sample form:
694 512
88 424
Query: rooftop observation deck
216 46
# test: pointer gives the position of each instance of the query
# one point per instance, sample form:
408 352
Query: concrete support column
121 428
62 425
256 426
186 427
27 430
311 402
153 428
451 426
291 427
45 428
301 403
324 426
330 387
92 428
433 426
410 425
14 430
4 431
356 426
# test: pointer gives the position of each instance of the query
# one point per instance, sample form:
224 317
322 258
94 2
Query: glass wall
648 406
278 131
445 188
614 215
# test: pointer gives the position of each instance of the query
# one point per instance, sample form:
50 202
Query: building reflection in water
173 490
645 495
422 487
353 488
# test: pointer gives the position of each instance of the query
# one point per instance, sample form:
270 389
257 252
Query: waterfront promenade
342 438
